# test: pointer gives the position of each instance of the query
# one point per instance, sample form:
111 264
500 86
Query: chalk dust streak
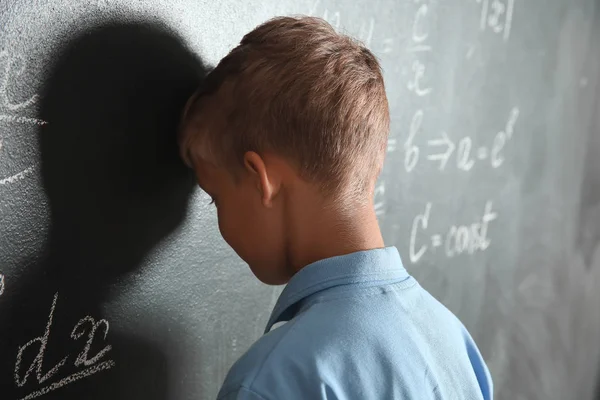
70 379
22 120
17 177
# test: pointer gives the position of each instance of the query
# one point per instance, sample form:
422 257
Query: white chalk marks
445 143
443 148
21 120
79 330
411 151
1 284
37 362
497 16
458 239
71 379
12 68
83 359
11 72
336 19
419 44
17 177
415 85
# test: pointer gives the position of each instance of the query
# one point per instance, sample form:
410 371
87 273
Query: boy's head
291 125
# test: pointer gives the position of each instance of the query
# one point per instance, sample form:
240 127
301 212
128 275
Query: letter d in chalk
38 360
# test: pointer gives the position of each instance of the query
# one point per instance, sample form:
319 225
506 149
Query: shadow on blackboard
115 187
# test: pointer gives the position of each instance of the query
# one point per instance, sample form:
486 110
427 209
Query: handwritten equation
365 31
420 43
334 17
456 240
11 110
497 16
87 327
442 149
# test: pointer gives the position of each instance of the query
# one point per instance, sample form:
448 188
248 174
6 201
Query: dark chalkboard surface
115 283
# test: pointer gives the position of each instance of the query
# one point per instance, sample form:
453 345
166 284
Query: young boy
288 135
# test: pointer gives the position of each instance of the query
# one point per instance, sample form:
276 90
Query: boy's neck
323 232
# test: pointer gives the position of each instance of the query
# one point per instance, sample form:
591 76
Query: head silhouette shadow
110 164
116 187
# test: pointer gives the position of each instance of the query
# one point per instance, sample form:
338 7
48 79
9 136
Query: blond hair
296 87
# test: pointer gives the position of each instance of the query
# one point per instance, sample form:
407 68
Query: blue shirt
360 327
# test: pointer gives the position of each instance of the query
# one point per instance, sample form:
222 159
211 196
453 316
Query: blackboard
115 283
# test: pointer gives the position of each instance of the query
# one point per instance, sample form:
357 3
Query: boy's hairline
204 143
217 159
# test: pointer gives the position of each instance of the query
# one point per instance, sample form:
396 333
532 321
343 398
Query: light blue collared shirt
360 327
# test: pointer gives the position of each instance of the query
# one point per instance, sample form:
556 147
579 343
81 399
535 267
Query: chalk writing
470 238
419 35
71 379
78 331
37 362
436 240
443 147
415 84
463 158
388 45
10 72
443 158
14 66
334 17
502 137
391 145
1 284
81 360
411 151
421 221
458 239
497 16
17 177
21 120
365 33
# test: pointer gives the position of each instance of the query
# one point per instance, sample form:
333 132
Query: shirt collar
356 268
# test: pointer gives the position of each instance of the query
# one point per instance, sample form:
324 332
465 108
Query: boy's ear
266 181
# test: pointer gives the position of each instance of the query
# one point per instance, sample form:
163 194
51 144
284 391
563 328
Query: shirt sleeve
241 393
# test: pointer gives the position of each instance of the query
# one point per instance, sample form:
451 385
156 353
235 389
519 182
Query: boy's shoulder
299 357
359 326
375 341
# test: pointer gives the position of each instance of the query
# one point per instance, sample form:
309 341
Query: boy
288 136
